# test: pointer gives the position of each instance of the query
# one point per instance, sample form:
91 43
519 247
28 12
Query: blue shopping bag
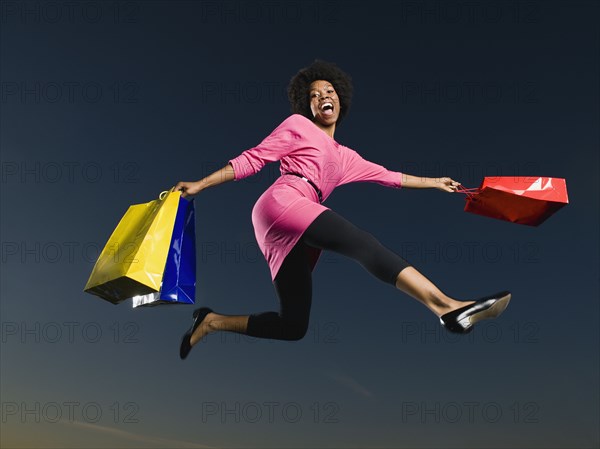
179 279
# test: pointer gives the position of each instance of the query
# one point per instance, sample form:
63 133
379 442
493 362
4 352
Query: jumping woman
292 226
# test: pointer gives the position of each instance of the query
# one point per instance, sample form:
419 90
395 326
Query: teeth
326 104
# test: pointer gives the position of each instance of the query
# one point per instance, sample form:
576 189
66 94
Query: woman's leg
293 285
330 231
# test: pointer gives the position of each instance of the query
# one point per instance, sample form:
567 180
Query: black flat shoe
461 320
186 345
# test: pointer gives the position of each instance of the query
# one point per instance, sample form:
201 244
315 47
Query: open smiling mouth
327 109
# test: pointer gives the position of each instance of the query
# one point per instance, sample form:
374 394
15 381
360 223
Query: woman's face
324 102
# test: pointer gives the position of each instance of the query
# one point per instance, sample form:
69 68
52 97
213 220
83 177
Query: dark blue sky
106 104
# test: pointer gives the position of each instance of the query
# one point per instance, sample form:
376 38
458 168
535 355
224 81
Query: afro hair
299 87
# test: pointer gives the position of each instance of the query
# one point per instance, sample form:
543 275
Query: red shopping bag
518 199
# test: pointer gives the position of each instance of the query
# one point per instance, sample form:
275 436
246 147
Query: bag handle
163 194
470 192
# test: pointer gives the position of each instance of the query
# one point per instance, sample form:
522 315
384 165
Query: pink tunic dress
284 211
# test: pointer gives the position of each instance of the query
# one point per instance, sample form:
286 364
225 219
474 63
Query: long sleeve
275 146
357 169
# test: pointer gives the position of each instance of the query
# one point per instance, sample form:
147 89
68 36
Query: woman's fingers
187 188
181 186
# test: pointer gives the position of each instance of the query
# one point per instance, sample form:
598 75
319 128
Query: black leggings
293 283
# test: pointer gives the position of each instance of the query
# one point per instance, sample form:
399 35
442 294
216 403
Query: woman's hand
446 184
188 188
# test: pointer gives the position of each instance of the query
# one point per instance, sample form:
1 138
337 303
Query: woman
292 226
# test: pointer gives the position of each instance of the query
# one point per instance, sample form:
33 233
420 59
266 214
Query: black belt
310 182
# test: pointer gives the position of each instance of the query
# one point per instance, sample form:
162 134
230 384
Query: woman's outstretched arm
225 174
356 169
272 148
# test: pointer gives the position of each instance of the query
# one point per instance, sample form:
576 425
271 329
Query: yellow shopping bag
133 260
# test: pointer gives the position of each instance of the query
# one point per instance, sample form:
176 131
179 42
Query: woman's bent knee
294 331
